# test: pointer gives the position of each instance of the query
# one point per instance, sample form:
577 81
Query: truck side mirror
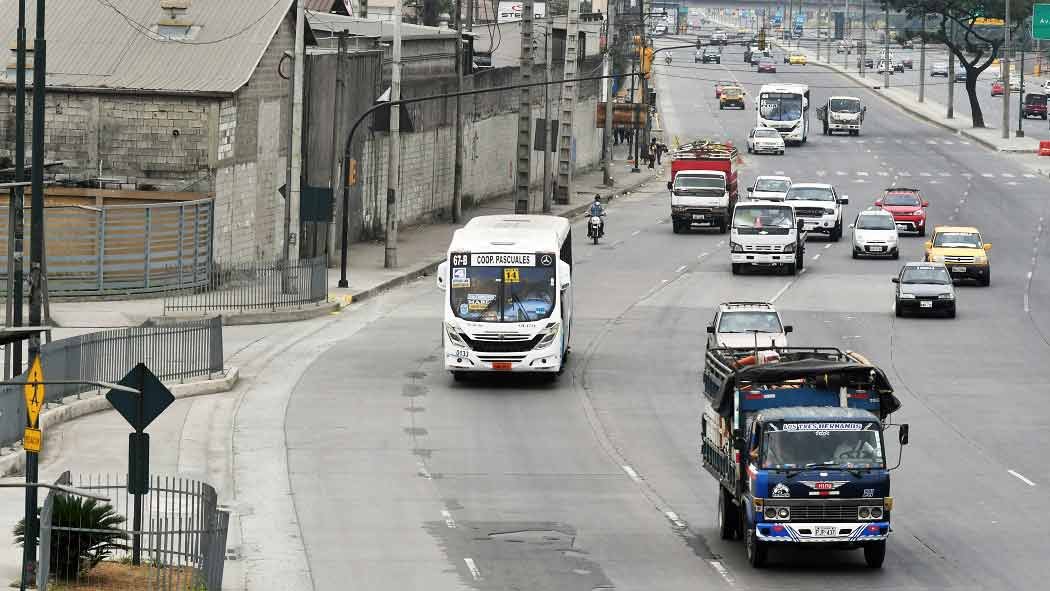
902 435
788 329
750 189
669 185
878 202
895 279
710 329
844 200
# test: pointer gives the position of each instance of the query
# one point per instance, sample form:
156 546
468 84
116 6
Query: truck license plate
824 531
699 216
925 304
958 269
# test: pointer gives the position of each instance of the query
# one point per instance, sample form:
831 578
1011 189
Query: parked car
997 87
767 66
908 63
1034 105
939 69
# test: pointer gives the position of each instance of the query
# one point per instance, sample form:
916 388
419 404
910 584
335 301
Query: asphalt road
403 479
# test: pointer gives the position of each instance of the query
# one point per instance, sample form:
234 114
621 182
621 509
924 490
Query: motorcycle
595 228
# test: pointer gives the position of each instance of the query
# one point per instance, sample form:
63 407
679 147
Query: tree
975 45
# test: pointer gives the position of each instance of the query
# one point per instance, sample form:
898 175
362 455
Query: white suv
769 188
747 325
819 206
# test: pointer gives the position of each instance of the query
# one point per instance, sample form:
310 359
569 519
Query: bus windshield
502 294
776 106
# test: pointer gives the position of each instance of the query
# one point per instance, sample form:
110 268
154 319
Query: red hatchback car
907 207
997 87
767 66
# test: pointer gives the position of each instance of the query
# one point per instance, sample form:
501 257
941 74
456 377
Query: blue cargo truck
796 439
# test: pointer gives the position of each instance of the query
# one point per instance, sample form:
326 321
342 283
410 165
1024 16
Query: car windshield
845 105
687 181
875 222
745 322
810 445
724 83
930 274
732 91
768 133
809 194
901 199
762 217
772 185
502 294
957 239
775 106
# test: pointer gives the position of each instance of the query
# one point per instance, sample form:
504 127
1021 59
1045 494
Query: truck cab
703 186
797 442
842 113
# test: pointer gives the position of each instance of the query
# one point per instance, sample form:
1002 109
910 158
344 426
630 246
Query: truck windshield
808 445
748 217
684 181
746 322
502 294
845 105
776 106
957 239
772 185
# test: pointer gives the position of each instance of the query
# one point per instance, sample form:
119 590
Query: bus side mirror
564 274
442 276
895 279
902 435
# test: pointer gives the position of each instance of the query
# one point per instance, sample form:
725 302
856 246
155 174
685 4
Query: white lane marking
1028 176
779 172
967 175
925 174
1012 183
1021 477
904 173
680 269
862 173
630 472
898 141
423 471
721 570
933 142
883 173
474 572
827 246
987 175
1007 175
1029 274
961 201
449 521
816 256
1026 308
840 173
859 181
965 143
673 517
948 142
782 290
803 271
822 173
636 232
944 174
720 243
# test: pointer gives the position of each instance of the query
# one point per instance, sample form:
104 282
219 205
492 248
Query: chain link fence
254 286
86 544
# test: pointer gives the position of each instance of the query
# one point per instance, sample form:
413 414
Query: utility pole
1005 63
16 204
549 137
886 41
294 167
951 75
634 121
337 129
564 188
922 62
457 175
36 259
610 34
1020 95
394 160
524 162
863 39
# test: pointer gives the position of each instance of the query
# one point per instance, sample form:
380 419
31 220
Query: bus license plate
504 365
925 304
823 531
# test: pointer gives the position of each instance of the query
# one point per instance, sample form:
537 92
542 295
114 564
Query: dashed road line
816 256
636 232
782 290
827 246
680 269
473 568
673 518
721 570
449 521
631 473
1020 477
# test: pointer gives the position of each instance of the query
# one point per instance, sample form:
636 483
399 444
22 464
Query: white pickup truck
842 113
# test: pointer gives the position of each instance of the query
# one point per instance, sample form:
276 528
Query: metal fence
247 286
179 350
123 249
183 537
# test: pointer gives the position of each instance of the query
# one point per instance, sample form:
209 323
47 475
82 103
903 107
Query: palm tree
84 532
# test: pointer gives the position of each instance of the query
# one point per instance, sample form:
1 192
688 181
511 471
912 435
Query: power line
147 31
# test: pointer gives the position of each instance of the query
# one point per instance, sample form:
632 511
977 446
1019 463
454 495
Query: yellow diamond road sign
34 392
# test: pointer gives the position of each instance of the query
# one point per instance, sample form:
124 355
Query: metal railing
123 249
256 285
178 350
183 537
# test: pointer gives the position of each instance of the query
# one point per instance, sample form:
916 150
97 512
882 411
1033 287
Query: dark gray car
924 288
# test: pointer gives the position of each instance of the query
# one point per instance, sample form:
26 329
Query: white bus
785 108
507 295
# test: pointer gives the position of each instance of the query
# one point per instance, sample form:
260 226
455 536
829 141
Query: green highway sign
1041 21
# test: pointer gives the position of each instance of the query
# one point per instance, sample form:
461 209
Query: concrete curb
93 401
267 317
429 267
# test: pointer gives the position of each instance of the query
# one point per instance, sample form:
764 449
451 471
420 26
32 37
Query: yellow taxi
797 59
731 96
963 252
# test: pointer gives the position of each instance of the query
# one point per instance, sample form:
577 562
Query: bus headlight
453 335
548 335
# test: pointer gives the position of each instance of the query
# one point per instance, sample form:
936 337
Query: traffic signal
762 40
647 61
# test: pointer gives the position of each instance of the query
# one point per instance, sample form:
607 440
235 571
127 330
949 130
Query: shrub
84 533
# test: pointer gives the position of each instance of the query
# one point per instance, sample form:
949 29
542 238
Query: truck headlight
734 247
829 211
548 335
453 335
946 296
876 513
789 247
981 259
907 296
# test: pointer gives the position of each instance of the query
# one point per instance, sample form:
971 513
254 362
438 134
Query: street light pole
1005 63
922 62
1020 97
393 173
887 67
610 34
951 75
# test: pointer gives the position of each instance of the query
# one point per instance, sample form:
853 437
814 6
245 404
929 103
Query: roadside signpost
139 410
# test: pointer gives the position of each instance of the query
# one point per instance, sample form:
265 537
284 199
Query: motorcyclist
667 59
596 209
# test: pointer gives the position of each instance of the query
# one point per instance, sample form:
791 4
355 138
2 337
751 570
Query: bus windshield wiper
521 307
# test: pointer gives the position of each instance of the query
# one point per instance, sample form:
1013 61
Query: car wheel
782 152
749 150
897 310
855 254
922 231
676 227
458 376
986 280
896 255
737 267
792 268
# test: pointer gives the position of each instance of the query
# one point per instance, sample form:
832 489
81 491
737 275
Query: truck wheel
737 267
728 520
676 227
792 268
986 280
897 310
875 553
458 376
757 551
836 233
800 260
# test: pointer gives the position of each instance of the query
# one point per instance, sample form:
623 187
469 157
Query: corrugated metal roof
114 44
324 25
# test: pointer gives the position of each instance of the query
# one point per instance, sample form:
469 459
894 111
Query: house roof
325 25
115 44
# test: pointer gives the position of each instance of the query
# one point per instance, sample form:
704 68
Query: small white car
747 325
875 234
764 140
769 188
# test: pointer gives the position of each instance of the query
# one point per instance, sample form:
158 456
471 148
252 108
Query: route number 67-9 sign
1041 21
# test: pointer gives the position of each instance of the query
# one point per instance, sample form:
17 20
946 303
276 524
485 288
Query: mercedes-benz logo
545 260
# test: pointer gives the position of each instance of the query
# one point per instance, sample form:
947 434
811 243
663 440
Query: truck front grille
826 511
809 212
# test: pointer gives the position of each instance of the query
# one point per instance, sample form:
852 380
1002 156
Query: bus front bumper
547 359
